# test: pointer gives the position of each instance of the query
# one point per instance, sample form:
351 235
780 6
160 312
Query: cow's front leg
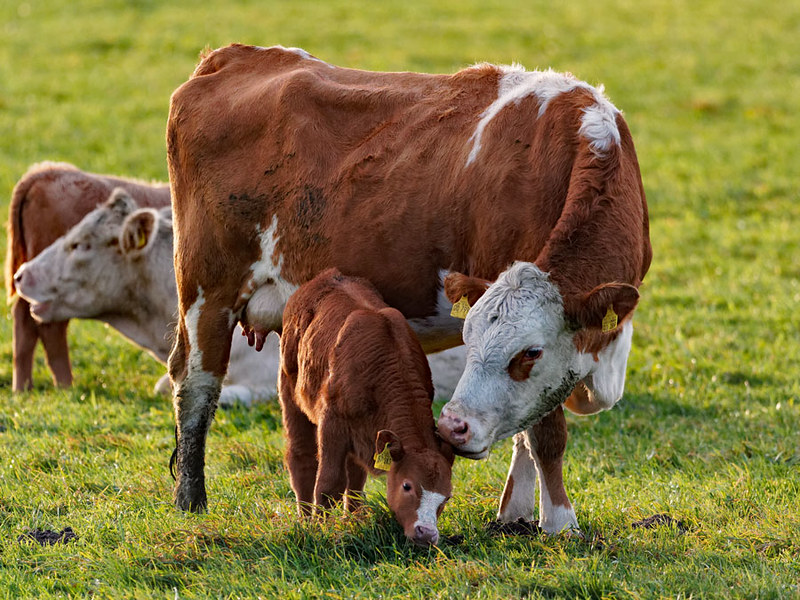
25 335
519 494
547 441
197 367
332 470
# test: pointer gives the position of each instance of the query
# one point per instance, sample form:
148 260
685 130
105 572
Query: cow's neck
147 321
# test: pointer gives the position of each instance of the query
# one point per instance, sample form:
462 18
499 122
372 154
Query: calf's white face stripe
429 504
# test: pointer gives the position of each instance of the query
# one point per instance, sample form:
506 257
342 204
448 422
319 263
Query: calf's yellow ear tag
460 308
383 460
610 320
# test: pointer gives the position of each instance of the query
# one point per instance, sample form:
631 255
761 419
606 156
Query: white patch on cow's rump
429 505
598 124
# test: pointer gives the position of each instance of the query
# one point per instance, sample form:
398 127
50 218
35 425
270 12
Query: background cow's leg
332 471
54 340
25 335
519 494
197 366
356 478
301 448
548 440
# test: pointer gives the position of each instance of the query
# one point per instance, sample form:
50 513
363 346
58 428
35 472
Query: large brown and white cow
47 201
356 394
282 165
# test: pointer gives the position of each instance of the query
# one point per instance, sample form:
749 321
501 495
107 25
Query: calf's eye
406 486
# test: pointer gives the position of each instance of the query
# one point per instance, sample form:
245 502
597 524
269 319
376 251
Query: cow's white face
94 267
522 361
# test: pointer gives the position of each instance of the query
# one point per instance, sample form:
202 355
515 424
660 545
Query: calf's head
417 485
100 263
523 358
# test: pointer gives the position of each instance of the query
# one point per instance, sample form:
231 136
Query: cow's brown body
46 202
282 165
352 372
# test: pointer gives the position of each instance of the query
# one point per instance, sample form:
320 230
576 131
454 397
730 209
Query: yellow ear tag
141 241
383 461
460 308
610 320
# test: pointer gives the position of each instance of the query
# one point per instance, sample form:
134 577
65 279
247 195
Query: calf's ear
138 233
389 438
605 307
458 285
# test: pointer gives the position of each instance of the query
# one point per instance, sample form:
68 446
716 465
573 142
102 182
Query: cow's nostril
461 429
18 276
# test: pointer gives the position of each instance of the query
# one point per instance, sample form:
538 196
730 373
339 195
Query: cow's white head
523 358
98 264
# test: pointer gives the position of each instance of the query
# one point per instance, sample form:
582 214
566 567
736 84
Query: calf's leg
332 471
356 478
301 448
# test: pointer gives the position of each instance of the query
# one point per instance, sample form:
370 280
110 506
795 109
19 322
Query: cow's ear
138 233
458 285
388 440
605 307
121 203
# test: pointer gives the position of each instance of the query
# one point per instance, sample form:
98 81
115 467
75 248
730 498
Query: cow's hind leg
25 335
197 367
301 447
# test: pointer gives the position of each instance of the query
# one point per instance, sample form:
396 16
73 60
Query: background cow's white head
101 263
523 356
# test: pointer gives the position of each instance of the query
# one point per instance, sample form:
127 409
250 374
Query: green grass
708 431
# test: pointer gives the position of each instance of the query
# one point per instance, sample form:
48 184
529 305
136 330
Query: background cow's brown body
352 375
46 202
282 165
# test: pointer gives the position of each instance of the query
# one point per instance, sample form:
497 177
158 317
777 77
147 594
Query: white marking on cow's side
599 122
198 382
268 290
429 505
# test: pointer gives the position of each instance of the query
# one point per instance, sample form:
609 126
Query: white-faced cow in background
282 165
48 200
116 266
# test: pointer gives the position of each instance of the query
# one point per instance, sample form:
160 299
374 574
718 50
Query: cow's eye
406 486
533 353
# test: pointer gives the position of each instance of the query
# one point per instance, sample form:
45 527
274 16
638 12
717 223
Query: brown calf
354 381
47 201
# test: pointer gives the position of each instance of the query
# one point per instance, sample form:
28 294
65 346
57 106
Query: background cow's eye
533 353
407 486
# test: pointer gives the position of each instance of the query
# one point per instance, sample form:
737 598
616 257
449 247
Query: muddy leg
197 365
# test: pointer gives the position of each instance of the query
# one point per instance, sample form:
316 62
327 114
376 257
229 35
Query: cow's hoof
518 527
191 500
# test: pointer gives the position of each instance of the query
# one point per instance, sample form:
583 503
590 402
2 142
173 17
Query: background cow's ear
138 233
121 203
457 285
395 445
591 310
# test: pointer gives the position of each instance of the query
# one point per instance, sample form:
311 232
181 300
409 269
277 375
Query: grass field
708 431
